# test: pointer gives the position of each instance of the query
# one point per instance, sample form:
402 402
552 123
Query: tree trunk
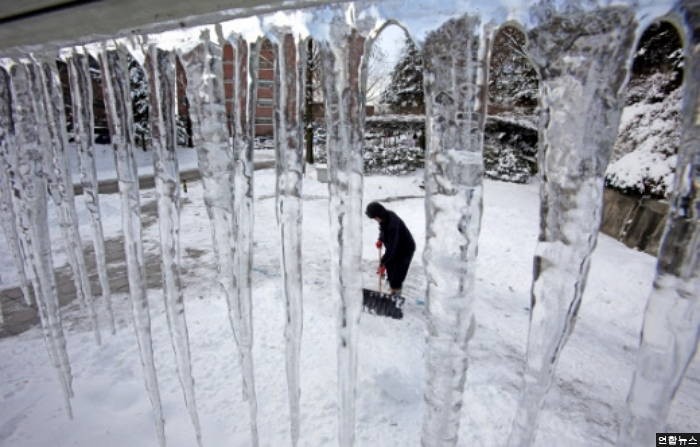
308 101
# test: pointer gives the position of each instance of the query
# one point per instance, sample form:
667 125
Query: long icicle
60 186
455 58
84 134
160 69
343 92
671 327
115 84
582 59
29 191
245 69
210 135
288 124
7 213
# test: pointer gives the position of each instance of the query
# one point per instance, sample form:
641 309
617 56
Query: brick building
265 88
263 110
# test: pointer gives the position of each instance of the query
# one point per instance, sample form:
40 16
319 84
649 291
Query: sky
390 41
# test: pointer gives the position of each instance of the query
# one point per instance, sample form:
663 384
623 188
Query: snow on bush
403 157
501 162
393 146
393 155
510 149
644 155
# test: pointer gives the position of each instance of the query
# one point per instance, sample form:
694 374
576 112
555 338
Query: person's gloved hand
378 244
381 271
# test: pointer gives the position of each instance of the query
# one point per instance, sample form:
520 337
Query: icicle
60 186
245 68
7 212
455 62
342 57
205 92
84 134
115 84
671 328
288 130
160 69
28 181
582 60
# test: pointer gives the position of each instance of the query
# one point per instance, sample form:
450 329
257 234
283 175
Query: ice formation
582 60
218 162
115 84
289 92
455 61
161 70
84 135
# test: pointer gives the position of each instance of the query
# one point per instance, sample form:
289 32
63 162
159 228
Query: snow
395 118
522 120
144 161
112 410
644 155
644 170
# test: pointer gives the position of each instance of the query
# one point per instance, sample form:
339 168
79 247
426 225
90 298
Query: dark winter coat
399 247
398 241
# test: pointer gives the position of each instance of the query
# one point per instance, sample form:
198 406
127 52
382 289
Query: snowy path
112 410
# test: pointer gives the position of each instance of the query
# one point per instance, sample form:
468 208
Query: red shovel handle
379 275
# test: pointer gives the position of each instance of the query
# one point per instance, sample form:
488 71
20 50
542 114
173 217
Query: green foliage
512 78
405 91
139 102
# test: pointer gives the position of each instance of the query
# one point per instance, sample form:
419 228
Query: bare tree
378 74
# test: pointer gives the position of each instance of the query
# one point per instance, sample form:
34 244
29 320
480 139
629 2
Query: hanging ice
342 56
84 134
288 124
245 65
60 187
115 83
455 86
7 212
28 181
671 328
205 92
582 60
160 69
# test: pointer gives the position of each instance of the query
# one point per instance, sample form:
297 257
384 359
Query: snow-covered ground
104 160
112 409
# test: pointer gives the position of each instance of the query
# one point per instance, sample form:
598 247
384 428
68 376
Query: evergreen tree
139 102
183 121
102 135
658 64
512 78
405 91
644 154
308 102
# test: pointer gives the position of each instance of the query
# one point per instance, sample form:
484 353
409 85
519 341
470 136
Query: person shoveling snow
400 246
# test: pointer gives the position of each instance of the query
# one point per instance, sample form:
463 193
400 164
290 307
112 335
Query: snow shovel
379 303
